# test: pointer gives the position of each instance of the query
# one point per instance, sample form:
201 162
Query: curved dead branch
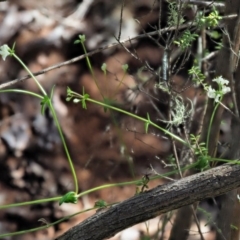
161 199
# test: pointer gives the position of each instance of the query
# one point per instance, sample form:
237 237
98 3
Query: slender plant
199 150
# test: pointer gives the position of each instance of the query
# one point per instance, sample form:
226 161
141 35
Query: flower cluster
222 89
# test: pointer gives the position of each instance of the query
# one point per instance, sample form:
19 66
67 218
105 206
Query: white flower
221 81
217 97
226 89
211 92
4 51
223 89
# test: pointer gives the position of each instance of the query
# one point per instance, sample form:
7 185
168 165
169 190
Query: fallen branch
161 199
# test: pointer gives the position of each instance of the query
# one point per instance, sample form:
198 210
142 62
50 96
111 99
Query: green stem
65 146
210 124
55 119
234 161
79 195
58 127
119 84
134 116
30 73
44 227
90 68
22 91
30 202
135 182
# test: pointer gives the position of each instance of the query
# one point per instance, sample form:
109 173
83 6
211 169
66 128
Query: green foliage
174 15
197 76
72 95
233 227
104 68
214 34
219 46
171 161
70 197
202 163
178 109
5 51
84 98
125 68
81 39
186 39
143 184
100 204
44 103
200 152
209 21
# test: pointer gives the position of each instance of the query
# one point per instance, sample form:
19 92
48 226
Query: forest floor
106 147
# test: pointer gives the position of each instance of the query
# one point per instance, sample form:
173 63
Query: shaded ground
106 147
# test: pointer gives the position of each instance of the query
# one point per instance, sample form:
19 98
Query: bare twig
76 59
206 3
120 22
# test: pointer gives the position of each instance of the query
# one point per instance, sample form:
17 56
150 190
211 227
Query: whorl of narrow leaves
70 197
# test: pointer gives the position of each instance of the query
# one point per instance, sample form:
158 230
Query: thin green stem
134 116
22 91
30 202
136 182
58 127
65 146
90 68
210 124
54 116
121 81
46 226
30 73
234 161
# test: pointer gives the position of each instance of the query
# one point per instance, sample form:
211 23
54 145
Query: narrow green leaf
104 68
82 38
100 204
51 95
147 123
125 67
44 103
77 41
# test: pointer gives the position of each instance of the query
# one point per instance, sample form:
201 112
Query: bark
161 199
182 223
230 208
226 66
228 219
